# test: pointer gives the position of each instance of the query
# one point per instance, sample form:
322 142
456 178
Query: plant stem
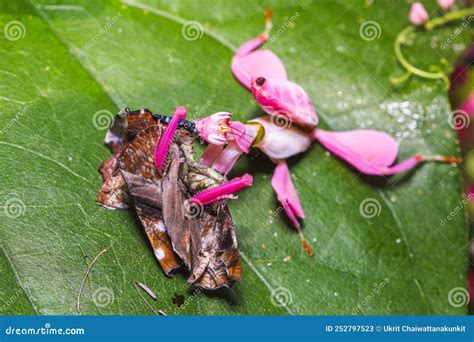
406 32
448 17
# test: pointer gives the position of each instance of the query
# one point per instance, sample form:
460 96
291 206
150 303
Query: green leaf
12 296
84 58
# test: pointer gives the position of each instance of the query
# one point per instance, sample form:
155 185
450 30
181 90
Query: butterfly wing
147 199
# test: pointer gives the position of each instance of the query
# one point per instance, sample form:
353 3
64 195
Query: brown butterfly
181 232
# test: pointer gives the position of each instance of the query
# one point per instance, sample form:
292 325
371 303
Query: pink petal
248 64
286 193
286 99
371 152
418 14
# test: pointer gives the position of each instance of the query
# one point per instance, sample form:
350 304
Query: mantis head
214 128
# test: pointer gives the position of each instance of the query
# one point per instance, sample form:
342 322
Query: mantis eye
260 81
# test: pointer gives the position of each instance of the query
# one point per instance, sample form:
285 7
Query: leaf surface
84 57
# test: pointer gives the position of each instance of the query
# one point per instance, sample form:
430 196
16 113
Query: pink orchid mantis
262 72
212 129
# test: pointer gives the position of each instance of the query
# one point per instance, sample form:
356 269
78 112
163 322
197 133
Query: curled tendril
436 72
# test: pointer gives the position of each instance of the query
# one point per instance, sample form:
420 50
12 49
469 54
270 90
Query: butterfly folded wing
147 199
113 193
217 263
174 208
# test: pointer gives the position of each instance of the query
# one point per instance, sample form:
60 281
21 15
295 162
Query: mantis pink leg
222 160
162 146
286 193
262 72
371 152
288 197
248 64
225 190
